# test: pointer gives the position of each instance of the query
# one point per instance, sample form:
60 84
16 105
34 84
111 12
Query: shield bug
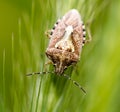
67 38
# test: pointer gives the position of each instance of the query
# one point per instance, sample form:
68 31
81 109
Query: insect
67 38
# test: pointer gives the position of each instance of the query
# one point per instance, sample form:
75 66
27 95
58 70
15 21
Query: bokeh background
22 50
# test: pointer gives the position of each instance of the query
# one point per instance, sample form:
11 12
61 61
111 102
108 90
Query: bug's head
59 67
61 63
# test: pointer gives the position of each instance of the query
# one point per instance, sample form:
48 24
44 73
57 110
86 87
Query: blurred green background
22 50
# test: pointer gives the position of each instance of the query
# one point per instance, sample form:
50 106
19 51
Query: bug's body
66 41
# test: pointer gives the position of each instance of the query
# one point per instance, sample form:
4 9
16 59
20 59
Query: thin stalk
3 80
33 94
13 66
37 102
32 13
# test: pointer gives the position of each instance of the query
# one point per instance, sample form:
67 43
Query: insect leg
48 34
47 63
88 32
74 82
89 36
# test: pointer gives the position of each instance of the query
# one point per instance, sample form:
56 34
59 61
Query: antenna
75 83
66 76
38 73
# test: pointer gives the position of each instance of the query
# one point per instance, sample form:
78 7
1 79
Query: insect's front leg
47 63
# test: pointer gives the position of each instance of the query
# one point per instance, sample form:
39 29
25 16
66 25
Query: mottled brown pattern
63 58
77 37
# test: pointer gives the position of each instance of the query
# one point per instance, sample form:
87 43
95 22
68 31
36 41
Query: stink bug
67 38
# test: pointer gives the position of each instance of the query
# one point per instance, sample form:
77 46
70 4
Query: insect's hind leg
89 36
48 33
88 33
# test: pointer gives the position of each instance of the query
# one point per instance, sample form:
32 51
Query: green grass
3 79
23 45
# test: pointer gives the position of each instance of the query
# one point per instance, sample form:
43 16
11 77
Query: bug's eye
49 56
